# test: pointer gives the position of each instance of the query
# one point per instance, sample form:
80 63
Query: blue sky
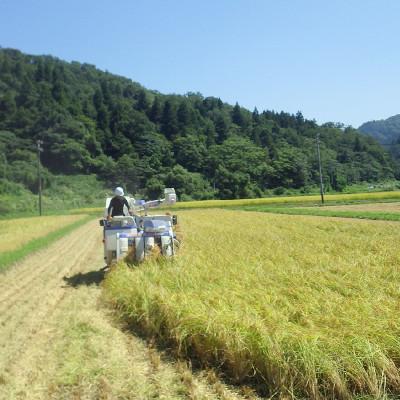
333 60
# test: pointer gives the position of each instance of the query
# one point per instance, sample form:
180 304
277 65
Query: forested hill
94 122
386 131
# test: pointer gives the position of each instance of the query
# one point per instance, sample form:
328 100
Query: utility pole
39 150
321 183
5 166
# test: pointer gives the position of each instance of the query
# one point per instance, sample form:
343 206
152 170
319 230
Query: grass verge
8 258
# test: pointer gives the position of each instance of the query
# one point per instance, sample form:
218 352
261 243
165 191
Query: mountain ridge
386 131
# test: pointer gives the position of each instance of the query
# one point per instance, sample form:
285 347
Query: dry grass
59 342
306 306
15 233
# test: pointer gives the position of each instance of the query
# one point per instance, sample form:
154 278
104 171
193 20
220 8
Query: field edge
8 258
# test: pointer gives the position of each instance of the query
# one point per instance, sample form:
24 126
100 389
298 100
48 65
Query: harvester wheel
109 258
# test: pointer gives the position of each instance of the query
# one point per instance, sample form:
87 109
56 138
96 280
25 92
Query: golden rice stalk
303 306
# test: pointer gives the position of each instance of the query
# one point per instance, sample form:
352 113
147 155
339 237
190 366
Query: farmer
117 203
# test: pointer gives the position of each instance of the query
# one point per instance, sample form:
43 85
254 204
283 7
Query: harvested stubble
306 305
15 233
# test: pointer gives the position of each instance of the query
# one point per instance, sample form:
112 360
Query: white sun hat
119 191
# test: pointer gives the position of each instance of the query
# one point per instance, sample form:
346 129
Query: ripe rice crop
306 307
375 196
15 233
310 199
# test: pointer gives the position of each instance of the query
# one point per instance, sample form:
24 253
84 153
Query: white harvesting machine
140 233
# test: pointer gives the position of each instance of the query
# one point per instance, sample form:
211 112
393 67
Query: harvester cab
140 235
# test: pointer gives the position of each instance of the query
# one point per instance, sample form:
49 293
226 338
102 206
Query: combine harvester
139 234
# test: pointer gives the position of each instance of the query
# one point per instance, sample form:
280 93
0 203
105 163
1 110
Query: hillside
99 124
386 131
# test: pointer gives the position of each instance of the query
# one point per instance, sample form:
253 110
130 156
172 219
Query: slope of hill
96 123
386 131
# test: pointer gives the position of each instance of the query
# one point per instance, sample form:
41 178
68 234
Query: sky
335 60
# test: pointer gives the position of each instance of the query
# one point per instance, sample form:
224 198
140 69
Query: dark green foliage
155 111
142 101
188 185
169 121
237 116
190 152
93 122
238 168
386 131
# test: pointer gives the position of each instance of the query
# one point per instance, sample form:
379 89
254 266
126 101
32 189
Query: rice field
353 197
15 233
300 306
293 200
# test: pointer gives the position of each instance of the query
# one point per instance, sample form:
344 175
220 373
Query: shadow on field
214 372
87 279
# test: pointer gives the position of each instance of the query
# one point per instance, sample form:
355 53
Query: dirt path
58 341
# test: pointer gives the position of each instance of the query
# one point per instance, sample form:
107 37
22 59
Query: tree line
94 122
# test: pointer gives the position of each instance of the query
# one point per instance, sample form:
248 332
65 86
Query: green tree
221 128
142 103
169 120
154 188
238 167
128 172
188 185
290 169
183 114
155 113
190 152
237 116
7 105
255 116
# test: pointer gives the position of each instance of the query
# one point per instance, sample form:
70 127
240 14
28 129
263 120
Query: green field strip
8 258
374 215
